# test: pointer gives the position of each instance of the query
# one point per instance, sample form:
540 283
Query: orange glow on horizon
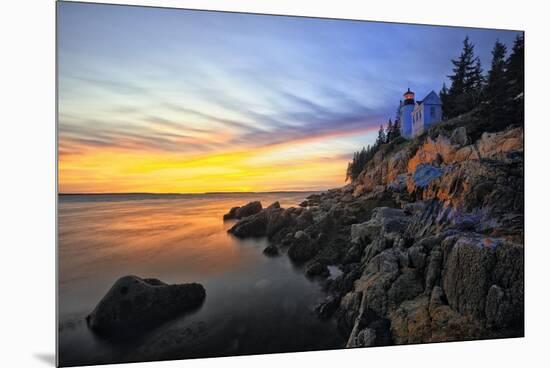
311 163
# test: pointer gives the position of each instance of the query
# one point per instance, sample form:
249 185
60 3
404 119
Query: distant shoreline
187 194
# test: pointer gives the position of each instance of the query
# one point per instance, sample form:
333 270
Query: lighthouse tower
405 116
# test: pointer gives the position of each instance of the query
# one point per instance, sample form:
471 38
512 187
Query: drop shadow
47 358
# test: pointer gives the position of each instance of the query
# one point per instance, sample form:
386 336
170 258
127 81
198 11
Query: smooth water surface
254 304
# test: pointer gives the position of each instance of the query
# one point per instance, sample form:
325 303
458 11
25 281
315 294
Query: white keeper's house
417 116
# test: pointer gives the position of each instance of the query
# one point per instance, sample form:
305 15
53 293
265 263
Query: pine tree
475 83
389 131
466 82
496 89
358 162
444 97
381 139
515 80
397 129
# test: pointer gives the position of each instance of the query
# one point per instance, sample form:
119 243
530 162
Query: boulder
425 174
370 330
399 184
313 200
432 152
407 286
274 205
237 213
353 254
496 145
384 221
364 338
448 325
433 269
326 309
251 226
467 273
459 136
359 190
317 269
343 284
417 258
277 219
303 248
410 322
134 304
348 311
304 219
232 214
271 250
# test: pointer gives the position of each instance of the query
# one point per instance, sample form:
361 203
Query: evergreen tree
397 129
466 82
496 89
475 83
393 131
515 80
444 97
381 139
358 162
389 132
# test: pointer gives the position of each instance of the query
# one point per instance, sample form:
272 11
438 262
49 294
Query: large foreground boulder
134 304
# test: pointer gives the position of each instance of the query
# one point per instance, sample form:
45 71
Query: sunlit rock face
386 167
441 278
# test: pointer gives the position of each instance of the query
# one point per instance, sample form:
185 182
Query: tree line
360 158
498 94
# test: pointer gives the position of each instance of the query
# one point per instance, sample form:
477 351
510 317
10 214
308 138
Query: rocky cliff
429 239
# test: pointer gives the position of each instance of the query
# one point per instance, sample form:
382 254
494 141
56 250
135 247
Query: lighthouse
405 113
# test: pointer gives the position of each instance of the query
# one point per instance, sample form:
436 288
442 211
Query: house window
432 111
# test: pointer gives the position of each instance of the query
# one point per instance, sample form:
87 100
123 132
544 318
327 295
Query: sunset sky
163 100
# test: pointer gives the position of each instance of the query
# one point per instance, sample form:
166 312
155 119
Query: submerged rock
134 304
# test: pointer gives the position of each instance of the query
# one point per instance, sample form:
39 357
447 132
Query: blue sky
191 83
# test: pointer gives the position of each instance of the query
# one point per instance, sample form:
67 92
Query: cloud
112 85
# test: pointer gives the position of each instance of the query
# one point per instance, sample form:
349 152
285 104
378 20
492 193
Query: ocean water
254 304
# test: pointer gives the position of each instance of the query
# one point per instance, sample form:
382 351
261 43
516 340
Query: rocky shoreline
429 239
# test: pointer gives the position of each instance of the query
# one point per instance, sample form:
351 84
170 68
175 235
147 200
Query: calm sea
254 304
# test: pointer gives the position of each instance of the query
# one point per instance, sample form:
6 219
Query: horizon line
197 193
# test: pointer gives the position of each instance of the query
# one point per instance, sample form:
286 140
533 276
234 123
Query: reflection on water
254 304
